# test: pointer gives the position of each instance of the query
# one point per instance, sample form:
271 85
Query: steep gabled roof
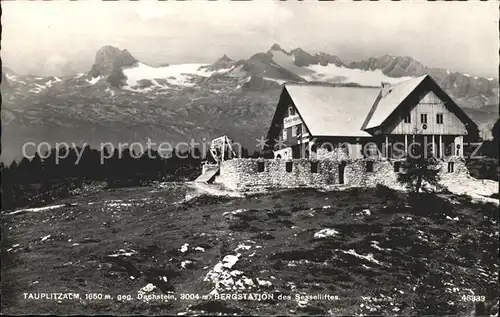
390 99
328 110
332 110
394 96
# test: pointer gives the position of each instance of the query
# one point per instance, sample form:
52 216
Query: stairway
208 175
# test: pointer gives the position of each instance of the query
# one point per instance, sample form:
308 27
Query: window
299 129
314 167
451 167
260 167
291 111
294 131
448 149
344 148
289 166
284 134
439 118
407 118
369 166
423 118
397 166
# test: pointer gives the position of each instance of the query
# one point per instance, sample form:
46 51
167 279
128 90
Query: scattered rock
324 233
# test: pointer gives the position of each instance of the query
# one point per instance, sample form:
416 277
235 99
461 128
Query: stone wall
230 174
330 154
383 173
460 171
244 174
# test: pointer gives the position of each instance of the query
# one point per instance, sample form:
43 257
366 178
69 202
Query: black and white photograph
264 158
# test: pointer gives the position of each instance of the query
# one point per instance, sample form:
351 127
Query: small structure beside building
325 135
220 150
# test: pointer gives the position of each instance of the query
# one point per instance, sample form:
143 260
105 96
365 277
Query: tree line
44 178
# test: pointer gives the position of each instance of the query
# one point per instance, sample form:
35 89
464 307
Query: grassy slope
422 262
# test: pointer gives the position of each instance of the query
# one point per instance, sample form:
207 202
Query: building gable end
285 101
421 91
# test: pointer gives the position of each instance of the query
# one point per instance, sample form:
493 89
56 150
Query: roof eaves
372 110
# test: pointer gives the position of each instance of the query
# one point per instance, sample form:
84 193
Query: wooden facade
424 119
289 127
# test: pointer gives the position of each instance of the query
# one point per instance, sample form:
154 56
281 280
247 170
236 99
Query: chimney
385 88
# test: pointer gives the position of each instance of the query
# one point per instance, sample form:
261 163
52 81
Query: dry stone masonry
245 174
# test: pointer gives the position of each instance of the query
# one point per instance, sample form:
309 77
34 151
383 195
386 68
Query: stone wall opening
261 166
314 167
369 166
451 167
342 172
397 166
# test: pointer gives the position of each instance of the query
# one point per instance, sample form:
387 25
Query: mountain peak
303 58
6 70
399 59
223 62
299 50
108 58
393 66
276 47
5 82
109 50
225 58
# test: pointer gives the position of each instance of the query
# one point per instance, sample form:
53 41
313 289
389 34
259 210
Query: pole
387 146
441 146
433 146
406 145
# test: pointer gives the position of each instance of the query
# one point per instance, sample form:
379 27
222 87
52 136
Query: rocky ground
373 251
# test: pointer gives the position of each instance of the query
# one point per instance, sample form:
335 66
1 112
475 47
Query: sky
62 37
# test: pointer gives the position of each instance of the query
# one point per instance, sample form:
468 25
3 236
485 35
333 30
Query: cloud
54 64
458 36
150 10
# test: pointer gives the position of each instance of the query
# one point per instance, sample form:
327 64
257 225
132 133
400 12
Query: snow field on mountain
179 75
336 74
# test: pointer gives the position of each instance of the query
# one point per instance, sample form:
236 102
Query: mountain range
121 99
